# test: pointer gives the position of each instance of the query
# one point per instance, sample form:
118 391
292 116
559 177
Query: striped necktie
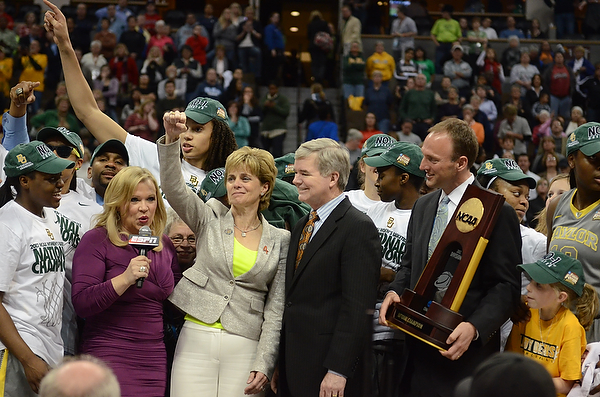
305 236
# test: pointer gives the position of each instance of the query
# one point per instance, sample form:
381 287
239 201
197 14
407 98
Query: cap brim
538 273
54 165
113 146
519 176
48 132
198 117
377 161
591 148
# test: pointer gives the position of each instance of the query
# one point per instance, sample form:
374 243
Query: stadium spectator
378 100
511 29
560 82
522 73
151 16
198 43
486 26
511 55
583 70
425 64
143 122
109 86
406 135
188 69
133 39
186 30
107 38
249 43
318 56
154 66
444 33
381 61
592 86
458 70
404 29
33 66
351 29
516 127
406 67
162 39
225 33
124 68
275 109
419 106
210 87
208 20
8 38
491 69
180 84
275 43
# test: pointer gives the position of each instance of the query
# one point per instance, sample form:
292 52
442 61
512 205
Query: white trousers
211 362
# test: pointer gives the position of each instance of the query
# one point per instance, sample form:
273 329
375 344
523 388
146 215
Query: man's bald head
83 376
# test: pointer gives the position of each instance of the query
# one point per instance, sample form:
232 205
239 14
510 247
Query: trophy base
431 325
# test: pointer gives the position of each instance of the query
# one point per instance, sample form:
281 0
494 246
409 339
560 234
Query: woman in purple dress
124 324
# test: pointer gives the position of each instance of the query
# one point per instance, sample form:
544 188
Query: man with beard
107 160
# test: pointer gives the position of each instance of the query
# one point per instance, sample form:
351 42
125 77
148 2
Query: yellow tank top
243 260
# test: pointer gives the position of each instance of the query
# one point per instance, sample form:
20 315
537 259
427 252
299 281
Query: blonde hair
542 225
585 307
118 195
317 88
260 163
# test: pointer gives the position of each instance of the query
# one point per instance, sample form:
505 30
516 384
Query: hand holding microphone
144 242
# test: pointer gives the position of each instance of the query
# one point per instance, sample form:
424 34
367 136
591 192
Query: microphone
144 241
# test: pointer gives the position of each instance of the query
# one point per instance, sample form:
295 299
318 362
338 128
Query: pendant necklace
247 231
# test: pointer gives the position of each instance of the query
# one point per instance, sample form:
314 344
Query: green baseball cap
404 155
213 186
112 146
556 267
285 165
34 156
377 144
506 169
585 138
202 110
71 137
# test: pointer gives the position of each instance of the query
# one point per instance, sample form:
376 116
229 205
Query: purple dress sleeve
92 292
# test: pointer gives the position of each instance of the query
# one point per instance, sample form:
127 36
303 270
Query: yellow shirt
30 74
383 62
556 344
243 260
6 71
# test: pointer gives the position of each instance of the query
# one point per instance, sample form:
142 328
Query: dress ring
143 269
19 91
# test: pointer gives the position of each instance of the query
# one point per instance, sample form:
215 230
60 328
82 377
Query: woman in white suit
234 292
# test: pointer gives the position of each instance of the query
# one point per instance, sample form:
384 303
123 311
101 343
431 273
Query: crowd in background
194 91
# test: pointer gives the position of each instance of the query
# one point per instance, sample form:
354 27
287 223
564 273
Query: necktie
439 225
306 233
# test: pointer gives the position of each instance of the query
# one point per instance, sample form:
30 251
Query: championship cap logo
403 159
221 113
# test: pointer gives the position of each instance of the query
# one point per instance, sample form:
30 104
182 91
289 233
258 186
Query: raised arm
99 124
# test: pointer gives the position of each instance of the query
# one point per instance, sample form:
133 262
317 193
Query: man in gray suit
448 153
331 280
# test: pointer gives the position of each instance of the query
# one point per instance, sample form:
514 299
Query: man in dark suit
448 153
331 281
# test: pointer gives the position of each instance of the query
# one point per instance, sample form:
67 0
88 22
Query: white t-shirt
32 273
359 200
74 219
3 153
144 154
392 224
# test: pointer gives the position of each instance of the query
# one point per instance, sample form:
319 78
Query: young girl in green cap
553 335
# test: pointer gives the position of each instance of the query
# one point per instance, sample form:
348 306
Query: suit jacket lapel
320 237
293 250
228 236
